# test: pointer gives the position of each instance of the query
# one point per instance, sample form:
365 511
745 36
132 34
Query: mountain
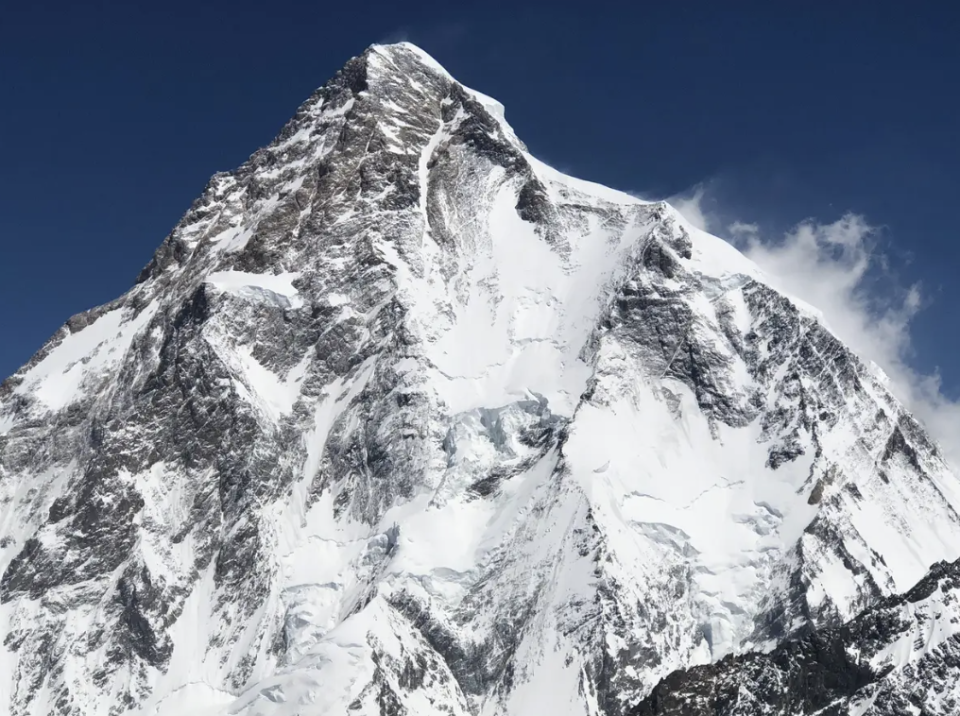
400 420
901 656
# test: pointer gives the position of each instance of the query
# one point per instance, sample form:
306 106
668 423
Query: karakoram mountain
399 420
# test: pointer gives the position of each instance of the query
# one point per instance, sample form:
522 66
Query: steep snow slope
401 420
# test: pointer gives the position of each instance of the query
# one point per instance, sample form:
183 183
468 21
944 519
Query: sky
821 138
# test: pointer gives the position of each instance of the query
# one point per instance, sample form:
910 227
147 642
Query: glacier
401 420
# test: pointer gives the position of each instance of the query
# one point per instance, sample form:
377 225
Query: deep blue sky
113 117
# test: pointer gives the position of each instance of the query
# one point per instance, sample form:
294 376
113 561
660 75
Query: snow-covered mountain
900 657
400 420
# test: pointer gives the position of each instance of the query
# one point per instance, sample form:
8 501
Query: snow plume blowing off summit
836 267
400 420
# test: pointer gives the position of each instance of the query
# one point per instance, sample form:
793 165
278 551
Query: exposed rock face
901 656
399 420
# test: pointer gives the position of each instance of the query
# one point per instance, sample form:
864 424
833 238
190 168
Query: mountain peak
399 419
406 51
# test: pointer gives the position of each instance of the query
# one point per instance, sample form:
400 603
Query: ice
276 288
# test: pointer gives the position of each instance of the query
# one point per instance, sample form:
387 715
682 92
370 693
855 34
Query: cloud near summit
833 267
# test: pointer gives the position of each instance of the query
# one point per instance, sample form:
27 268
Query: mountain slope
901 656
401 420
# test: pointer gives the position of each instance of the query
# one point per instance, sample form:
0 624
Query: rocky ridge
901 656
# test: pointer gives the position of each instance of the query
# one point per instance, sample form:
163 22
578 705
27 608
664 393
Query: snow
273 288
194 698
275 395
489 103
933 620
425 58
720 504
7 421
713 256
526 315
58 378
590 189
233 239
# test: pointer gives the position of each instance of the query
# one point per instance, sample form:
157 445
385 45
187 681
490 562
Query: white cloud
691 206
834 267
738 229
